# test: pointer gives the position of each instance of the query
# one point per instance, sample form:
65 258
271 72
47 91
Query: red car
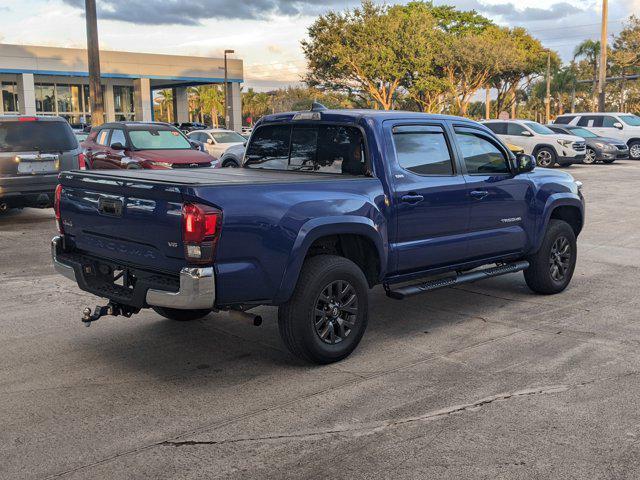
143 145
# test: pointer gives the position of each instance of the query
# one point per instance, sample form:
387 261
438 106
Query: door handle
479 194
412 198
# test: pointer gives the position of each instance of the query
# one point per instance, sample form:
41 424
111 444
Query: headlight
162 164
599 145
565 143
579 185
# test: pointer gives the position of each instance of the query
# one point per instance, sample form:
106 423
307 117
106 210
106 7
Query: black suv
33 150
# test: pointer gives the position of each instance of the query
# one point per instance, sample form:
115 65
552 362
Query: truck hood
174 156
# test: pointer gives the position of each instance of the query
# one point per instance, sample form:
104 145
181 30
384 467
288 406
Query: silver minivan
33 150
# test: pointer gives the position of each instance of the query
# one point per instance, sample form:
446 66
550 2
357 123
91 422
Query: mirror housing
525 163
618 125
527 133
210 141
117 146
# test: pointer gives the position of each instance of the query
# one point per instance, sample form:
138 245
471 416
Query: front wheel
551 268
546 157
634 150
230 164
181 315
589 156
327 314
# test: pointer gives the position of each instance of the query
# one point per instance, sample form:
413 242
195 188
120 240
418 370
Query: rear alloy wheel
546 157
634 150
590 156
327 314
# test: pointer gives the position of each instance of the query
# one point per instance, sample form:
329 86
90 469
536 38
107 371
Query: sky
266 34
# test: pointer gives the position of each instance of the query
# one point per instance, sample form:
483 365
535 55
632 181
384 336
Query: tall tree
626 53
590 51
366 51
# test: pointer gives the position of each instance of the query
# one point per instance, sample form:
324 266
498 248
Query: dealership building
38 80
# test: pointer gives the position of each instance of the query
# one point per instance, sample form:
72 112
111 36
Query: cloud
193 12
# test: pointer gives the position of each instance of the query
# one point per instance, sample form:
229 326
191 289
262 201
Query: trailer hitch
113 309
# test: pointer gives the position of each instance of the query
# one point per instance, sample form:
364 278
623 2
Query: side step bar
410 290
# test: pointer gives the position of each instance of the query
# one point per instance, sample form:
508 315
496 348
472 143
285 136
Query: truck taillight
56 208
200 231
82 161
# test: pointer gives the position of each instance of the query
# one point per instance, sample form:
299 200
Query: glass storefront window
9 97
45 98
123 102
63 95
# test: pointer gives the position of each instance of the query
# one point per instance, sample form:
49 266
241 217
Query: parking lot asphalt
487 380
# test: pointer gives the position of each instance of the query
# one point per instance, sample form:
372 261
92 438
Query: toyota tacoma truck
327 204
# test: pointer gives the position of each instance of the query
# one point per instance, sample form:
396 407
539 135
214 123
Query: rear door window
499 128
564 120
590 121
423 150
37 136
103 137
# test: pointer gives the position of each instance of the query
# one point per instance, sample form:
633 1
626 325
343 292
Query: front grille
192 165
621 147
579 146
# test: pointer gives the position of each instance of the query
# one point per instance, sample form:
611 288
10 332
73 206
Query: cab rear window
333 149
36 136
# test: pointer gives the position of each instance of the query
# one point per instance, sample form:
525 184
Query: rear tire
181 315
327 314
546 157
551 267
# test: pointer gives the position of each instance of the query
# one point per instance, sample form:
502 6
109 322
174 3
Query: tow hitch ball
111 308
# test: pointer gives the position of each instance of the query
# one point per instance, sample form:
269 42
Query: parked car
81 136
191 126
225 145
33 150
146 145
599 149
548 147
328 204
246 132
621 126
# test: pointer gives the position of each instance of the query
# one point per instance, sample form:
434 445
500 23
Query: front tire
634 150
327 314
551 268
546 157
230 164
590 156
181 315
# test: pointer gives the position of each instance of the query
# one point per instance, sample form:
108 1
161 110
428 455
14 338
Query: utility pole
603 58
547 99
487 103
226 90
96 100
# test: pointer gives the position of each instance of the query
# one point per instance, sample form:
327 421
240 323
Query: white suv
621 126
548 147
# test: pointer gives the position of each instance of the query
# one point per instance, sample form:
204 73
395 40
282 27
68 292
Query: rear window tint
41 136
497 127
565 120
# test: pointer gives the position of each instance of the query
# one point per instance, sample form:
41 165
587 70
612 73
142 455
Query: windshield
541 129
582 132
632 120
40 136
155 139
228 137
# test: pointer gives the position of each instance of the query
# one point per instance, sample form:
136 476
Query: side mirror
527 133
117 146
525 163
210 141
618 125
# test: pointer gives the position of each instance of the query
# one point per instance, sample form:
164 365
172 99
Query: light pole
603 58
93 59
226 90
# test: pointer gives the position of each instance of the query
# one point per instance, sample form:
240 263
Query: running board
410 290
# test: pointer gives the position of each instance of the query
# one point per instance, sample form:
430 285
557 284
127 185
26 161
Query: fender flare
543 145
317 228
554 201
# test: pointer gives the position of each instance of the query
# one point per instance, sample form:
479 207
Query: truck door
429 197
500 201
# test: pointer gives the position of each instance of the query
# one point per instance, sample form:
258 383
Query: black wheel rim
560 259
335 312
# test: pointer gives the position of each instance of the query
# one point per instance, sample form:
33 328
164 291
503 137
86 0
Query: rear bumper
196 286
28 191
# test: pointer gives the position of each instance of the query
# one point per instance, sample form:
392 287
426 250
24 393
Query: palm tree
166 103
590 51
255 104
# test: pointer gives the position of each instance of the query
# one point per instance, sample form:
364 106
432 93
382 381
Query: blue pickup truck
327 204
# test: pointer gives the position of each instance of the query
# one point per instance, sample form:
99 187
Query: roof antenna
317 107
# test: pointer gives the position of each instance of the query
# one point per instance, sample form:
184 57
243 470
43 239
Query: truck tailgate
132 221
